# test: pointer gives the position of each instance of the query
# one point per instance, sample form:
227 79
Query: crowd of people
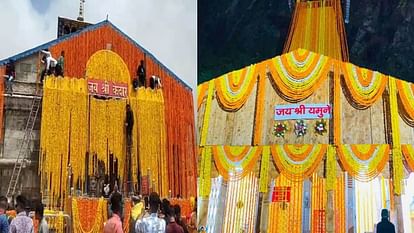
150 216
147 216
19 219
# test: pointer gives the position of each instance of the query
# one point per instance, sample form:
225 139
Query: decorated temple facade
79 141
305 141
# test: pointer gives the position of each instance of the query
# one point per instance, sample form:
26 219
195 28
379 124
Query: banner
302 111
107 88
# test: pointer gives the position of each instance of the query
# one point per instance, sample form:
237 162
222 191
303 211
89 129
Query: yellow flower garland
233 89
365 86
205 172
239 167
297 162
201 92
406 96
264 170
297 80
206 119
363 169
398 171
331 168
408 152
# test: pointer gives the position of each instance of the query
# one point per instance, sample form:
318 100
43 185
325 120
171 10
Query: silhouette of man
385 226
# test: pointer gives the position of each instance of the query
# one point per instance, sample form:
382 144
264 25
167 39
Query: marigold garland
337 114
318 27
287 217
331 168
150 131
233 89
365 161
406 97
205 172
88 215
241 205
297 162
365 86
238 168
201 92
206 119
264 170
398 172
408 152
294 79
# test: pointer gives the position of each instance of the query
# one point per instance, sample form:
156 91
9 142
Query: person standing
22 223
141 73
136 211
114 224
152 223
43 227
4 223
385 226
10 76
60 64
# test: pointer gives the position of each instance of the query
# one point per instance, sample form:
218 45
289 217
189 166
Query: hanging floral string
280 129
297 162
206 119
240 211
201 92
398 172
264 170
300 128
331 168
205 172
287 218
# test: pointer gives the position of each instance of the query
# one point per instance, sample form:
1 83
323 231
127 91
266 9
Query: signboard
145 185
281 194
107 88
302 111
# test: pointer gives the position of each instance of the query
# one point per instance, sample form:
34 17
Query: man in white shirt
151 224
22 223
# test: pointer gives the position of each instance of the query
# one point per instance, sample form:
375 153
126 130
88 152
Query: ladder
25 150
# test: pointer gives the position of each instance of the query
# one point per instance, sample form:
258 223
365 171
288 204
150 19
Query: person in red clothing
114 224
173 226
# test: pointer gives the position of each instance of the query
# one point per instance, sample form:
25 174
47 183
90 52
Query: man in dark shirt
385 226
141 73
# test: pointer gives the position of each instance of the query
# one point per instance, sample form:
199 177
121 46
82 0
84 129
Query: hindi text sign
302 111
107 88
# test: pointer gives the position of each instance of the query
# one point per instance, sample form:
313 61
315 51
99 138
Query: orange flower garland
408 152
235 161
297 80
297 162
88 215
365 86
363 162
233 89
406 97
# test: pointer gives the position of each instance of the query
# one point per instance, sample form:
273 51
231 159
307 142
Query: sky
166 28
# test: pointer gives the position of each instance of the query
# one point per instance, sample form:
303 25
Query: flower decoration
279 129
320 127
300 128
